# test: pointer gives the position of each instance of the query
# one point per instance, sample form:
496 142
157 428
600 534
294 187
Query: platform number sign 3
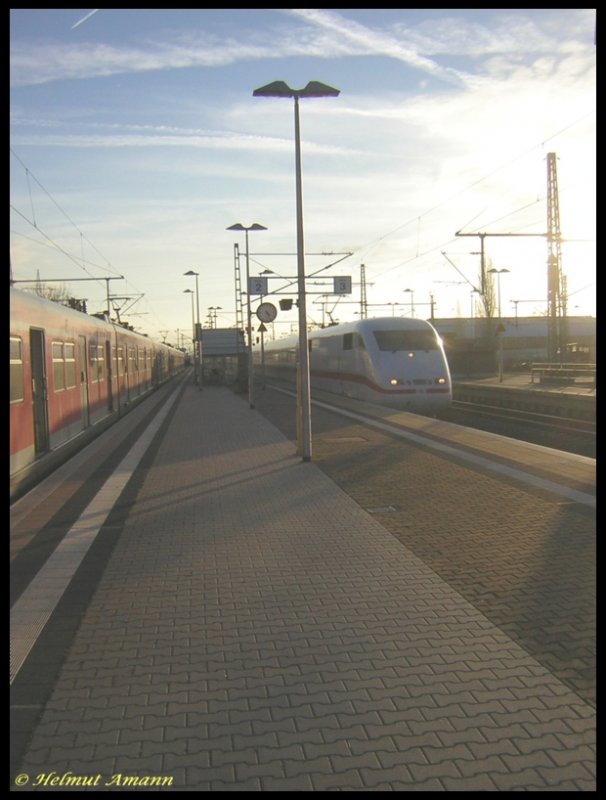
342 285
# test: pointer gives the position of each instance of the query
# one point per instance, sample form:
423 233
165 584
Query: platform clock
267 312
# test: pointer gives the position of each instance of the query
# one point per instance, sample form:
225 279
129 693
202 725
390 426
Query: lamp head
281 89
239 227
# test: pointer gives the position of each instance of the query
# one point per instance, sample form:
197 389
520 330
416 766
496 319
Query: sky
135 142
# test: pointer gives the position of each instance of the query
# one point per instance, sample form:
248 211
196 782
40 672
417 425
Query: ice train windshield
406 340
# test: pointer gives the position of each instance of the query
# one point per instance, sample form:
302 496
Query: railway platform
251 627
574 400
523 381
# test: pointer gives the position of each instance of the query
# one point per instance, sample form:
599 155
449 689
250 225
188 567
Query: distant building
471 344
224 358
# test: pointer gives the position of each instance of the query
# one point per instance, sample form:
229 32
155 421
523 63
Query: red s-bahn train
71 373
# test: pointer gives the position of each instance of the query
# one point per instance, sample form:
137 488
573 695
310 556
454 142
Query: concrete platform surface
256 629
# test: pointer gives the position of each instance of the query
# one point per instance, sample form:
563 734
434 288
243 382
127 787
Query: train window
132 364
353 341
16 346
70 365
119 358
97 362
406 340
58 366
16 370
92 357
100 363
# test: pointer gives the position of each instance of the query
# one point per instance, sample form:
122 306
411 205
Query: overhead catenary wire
59 208
79 260
51 243
363 250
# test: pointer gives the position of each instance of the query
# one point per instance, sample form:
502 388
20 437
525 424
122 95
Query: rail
564 373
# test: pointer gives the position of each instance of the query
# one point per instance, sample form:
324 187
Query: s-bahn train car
69 372
393 362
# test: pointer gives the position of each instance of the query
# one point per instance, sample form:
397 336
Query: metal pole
262 356
193 318
313 89
482 270
305 397
251 393
198 335
499 292
193 327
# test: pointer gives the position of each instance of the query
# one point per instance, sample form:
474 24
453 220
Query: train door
39 390
119 374
108 361
84 399
128 375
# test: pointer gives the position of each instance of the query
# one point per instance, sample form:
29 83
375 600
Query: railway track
568 434
564 433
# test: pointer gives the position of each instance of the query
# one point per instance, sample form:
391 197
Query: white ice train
393 362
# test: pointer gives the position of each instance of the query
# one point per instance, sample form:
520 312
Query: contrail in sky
83 19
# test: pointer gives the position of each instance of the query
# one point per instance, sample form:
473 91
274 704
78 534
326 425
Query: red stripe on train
362 379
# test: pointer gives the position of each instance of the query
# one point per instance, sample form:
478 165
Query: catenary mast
556 296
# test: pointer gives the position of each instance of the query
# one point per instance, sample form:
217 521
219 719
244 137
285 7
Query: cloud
49 62
338 37
149 136
322 34
376 43
39 63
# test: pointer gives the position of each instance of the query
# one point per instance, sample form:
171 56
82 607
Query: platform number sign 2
257 285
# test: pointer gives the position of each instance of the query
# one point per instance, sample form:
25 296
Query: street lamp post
193 322
254 227
498 273
212 315
500 328
313 89
412 302
198 334
515 305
